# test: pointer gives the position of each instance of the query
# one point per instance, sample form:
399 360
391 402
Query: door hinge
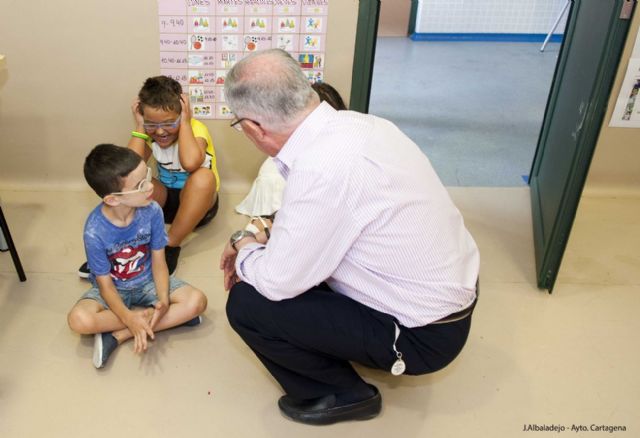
627 9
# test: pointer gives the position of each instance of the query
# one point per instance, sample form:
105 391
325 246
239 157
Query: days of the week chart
200 40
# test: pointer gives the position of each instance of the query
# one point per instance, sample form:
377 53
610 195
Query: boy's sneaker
84 271
103 345
171 254
192 322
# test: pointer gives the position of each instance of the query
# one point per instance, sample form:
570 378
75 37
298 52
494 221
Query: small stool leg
12 248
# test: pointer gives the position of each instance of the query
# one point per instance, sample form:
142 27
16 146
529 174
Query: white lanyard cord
398 354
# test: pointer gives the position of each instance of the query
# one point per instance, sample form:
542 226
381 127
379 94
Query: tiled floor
475 108
570 358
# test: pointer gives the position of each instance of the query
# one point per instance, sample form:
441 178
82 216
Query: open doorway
475 107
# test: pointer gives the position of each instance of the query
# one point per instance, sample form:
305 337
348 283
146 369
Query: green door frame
365 49
550 238
412 17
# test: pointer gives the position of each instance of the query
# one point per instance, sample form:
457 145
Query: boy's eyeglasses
153 127
143 186
238 127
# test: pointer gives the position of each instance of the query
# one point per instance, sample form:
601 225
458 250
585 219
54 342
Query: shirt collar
304 135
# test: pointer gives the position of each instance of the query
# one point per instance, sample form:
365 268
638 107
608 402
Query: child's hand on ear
137 115
185 114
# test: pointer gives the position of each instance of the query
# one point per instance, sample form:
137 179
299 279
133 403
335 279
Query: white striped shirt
364 210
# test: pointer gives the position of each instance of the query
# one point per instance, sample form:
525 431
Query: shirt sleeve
97 259
311 235
200 130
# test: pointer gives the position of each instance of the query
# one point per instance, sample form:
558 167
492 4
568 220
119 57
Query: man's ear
111 200
255 130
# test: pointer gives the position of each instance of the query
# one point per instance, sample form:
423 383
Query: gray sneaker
192 322
103 345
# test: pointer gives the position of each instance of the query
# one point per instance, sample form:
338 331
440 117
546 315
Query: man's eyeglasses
153 127
143 186
238 127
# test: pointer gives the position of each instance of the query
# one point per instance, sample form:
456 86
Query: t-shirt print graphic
127 263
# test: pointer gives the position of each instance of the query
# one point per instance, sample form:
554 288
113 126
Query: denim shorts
144 296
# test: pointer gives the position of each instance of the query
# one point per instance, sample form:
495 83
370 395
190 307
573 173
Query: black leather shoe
327 409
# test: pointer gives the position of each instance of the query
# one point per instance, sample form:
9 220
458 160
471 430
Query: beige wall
615 168
73 69
394 17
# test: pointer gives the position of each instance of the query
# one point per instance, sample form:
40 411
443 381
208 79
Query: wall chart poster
200 40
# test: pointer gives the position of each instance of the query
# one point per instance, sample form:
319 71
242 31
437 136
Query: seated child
188 184
265 196
124 239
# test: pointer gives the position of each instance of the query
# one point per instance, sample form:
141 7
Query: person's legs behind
187 209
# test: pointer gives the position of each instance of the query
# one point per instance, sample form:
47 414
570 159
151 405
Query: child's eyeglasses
152 127
143 186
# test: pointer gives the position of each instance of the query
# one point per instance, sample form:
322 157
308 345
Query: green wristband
145 137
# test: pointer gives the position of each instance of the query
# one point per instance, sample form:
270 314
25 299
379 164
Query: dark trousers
307 342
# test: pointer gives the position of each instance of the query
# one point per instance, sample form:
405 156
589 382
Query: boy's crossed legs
91 315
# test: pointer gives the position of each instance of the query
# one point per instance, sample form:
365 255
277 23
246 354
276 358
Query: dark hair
107 165
161 92
330 95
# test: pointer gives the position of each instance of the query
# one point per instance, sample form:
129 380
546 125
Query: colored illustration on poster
228 60
197 43
285 42
287 24
258 24
313 24
626 113
230 24
201 24
200 40
230 43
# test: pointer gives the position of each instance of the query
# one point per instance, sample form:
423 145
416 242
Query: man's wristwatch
238 236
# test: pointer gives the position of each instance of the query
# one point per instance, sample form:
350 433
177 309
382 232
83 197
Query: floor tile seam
564 282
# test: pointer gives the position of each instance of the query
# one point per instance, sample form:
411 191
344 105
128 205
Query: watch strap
238 236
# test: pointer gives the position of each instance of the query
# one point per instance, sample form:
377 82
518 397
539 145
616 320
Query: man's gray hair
268 87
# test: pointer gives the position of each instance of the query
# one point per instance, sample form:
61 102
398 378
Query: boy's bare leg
88 317
196 198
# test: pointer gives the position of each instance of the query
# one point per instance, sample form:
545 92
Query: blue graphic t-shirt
124 253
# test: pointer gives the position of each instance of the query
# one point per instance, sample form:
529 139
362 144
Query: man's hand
138 325
228 265
160 309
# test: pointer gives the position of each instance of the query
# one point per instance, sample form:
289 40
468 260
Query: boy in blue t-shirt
124 238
